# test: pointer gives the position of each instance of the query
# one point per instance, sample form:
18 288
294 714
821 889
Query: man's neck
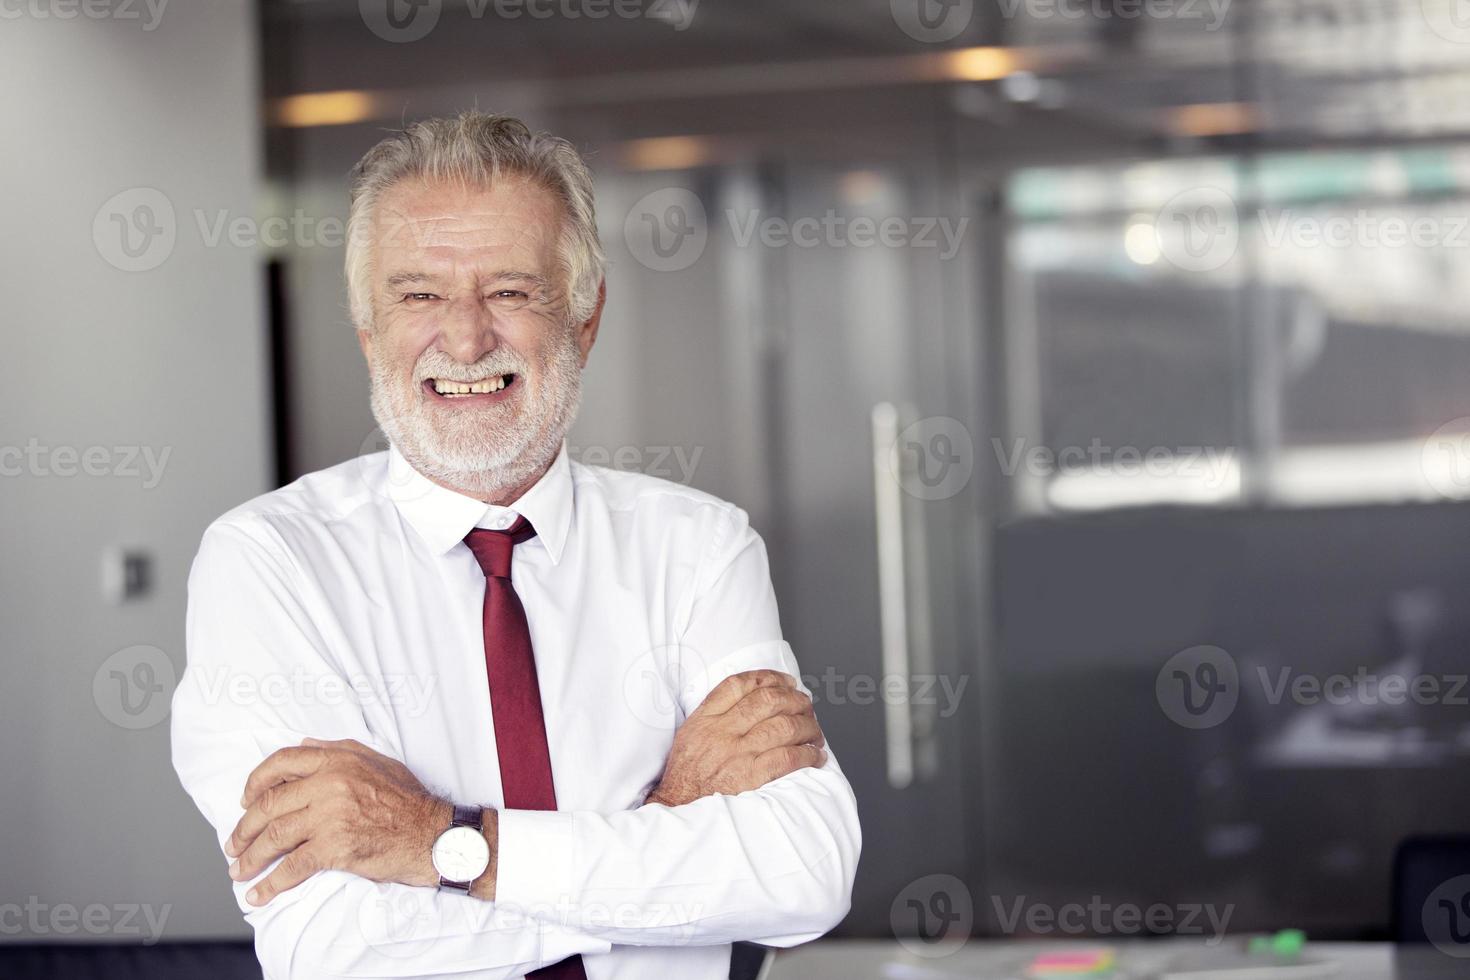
502 498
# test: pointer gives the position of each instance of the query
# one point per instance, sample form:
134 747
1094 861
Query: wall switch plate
127 574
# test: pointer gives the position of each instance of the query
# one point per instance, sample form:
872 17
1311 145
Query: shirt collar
443 517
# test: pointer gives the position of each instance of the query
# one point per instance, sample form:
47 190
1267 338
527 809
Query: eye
510 299
418 297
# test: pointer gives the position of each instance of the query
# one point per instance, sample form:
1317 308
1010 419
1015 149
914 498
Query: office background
1098 373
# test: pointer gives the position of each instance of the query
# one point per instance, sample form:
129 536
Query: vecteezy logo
667 230
1446 917
135 230
1198 230
134 686
932 21
400 925
1450 19
402 484
1445 459
1198 687
933 916
661 682
400 21
933 458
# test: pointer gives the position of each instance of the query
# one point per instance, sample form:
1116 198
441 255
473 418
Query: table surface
1003 960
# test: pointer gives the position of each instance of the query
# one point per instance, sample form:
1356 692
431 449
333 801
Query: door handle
911 721
893 609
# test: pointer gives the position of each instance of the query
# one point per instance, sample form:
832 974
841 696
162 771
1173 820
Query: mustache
437 364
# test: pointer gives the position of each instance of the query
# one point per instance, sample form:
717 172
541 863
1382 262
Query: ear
365 341
587 332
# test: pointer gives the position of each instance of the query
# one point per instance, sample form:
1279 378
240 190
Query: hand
752 728
337 805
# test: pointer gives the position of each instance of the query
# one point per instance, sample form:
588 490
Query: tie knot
493 548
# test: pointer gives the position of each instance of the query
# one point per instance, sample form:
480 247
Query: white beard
487 452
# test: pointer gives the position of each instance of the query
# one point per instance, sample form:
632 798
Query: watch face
461 854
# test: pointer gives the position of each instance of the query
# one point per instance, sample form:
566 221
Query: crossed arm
750 834
342 806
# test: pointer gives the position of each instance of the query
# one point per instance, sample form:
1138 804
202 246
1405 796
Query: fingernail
235 870
253 896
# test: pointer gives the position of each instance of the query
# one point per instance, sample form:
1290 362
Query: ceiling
1264 72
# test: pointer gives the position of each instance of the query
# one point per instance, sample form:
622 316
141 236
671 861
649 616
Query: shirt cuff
534 869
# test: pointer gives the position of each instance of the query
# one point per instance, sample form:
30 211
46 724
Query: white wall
173 360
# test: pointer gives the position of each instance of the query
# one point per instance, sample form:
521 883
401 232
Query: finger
279 766
776 763
274 801
779 730
728 692
763 703
295 868
284 834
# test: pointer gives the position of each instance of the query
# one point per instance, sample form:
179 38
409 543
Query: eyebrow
400 279
527 278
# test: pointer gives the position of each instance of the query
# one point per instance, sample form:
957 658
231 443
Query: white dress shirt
346 605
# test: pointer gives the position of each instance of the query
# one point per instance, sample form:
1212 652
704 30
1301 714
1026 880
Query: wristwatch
461 853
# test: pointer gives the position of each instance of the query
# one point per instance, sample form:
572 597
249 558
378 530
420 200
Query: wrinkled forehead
454 224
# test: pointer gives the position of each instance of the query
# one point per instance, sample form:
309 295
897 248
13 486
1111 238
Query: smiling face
476 369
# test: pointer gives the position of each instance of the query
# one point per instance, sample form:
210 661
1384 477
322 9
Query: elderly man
467 708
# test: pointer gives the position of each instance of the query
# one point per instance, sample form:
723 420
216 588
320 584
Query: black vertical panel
280 372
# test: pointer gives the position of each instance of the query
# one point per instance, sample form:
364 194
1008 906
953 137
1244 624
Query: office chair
750 962
1422 867
1431 907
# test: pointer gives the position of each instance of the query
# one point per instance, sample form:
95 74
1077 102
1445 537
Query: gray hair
478 148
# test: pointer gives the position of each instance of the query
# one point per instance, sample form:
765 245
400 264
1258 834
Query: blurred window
1288 330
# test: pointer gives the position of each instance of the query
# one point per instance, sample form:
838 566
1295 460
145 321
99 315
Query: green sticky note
1288 942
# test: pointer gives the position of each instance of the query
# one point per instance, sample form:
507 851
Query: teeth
485 387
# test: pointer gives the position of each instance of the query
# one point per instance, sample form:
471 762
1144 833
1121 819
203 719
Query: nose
467 331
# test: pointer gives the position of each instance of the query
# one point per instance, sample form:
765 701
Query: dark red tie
515 697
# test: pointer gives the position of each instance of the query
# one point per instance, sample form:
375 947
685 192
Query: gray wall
171 360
